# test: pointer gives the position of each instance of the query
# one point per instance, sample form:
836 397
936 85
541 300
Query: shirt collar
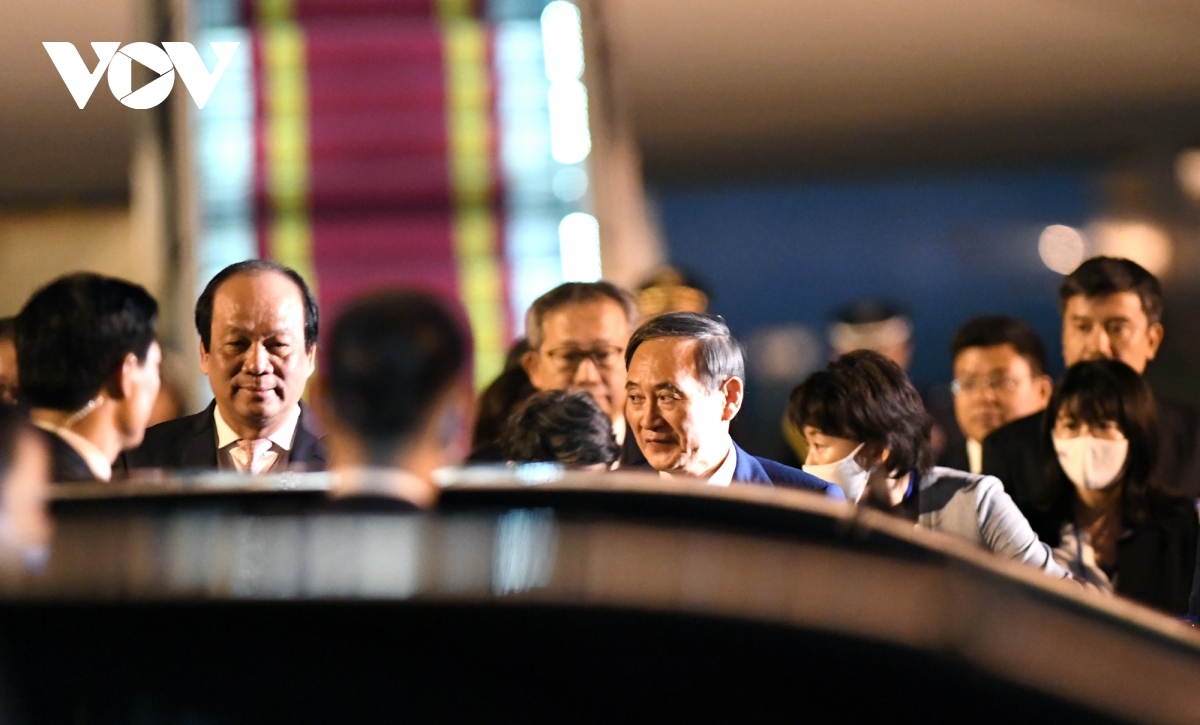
95 459
723 476
282 437
974 456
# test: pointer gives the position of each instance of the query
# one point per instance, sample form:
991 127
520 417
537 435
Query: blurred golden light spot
1187 171
1147 244
1061 248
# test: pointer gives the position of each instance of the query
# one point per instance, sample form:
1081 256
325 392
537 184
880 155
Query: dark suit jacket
762 472
631 453
190 442
66 465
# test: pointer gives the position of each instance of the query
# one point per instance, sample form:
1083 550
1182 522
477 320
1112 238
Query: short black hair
1100 276
561 426
204 305
574 293
994 330
864 396
75 332
1098 391
718 355
8 328
391 356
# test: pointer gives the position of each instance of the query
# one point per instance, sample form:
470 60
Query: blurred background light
570 138
1062 248
579 247
1187 170
1147 244
562 40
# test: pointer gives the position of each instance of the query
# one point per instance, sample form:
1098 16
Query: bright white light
1187 170
562 41
570 139
579 247
1061 248
1144 243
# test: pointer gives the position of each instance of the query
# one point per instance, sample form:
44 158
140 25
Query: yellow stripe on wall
286 106
468 119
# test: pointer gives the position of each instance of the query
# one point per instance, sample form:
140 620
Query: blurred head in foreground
395 394
24 483
561 426
89 360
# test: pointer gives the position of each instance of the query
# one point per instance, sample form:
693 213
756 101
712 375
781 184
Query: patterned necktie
256 451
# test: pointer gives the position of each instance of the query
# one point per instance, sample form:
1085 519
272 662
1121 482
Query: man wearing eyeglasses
999 376
578 332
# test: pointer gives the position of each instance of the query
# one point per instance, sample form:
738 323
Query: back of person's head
1103 391
996 330
562 426
500 398
1103 276
8 328
392 359
864 396
718 354
75 332
204 305
571 293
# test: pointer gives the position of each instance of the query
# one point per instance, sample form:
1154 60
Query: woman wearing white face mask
1107 518
868 432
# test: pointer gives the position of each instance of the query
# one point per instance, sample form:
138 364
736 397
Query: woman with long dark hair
1111 523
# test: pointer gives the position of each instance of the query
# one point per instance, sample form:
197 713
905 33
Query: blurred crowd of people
1091 478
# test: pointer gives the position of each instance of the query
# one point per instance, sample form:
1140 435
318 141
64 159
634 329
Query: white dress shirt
974 456
229 455
95 459
723 476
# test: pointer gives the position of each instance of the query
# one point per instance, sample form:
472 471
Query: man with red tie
257 322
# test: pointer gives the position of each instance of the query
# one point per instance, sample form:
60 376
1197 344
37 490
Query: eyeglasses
978 385
568 360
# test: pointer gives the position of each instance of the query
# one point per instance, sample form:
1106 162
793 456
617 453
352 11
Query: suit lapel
748 469
305 444
200 449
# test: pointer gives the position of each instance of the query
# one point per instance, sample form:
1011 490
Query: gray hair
718 355
573 293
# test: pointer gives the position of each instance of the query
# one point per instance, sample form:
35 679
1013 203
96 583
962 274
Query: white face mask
846 474
1091 463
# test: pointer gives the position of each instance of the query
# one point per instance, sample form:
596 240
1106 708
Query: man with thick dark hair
1111 308
561 426
577 335
89 360
686 382
396 397
999 376
258 324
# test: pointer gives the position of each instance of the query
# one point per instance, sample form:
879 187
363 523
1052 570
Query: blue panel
945 246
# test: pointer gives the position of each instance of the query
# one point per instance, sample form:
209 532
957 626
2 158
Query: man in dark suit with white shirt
258 323
685 383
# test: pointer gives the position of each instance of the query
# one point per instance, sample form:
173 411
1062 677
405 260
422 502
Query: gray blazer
976 508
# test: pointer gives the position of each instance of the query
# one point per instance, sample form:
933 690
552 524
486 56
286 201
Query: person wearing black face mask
1111 524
